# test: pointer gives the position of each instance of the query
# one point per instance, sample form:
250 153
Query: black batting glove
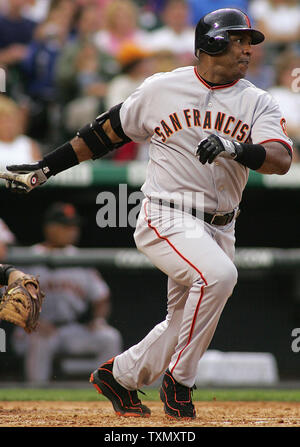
214 146
23 178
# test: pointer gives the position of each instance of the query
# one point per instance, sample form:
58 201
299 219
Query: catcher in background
74 318
21 302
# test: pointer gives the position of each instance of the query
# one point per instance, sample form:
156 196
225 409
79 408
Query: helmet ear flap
212 44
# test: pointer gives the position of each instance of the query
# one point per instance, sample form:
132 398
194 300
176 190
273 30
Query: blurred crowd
66 61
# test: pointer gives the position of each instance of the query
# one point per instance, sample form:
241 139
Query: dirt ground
100 414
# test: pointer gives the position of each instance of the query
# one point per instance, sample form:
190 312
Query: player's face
235 60
59 235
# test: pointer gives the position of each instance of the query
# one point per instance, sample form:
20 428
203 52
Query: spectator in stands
120 24
39 67
100 4
165 60
64 326
136 65
82 71
260 72
14 144
287 93
91 86
151 12
16 32
37 10
279 20
86 25
157 6
199 8
176 35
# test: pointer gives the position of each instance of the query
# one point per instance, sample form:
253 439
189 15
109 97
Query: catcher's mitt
21 303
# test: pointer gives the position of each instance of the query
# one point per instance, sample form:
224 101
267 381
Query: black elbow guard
96 138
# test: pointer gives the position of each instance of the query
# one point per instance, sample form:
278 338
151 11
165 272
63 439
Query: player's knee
227 279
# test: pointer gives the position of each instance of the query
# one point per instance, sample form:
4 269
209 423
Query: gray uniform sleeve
137 110
269 122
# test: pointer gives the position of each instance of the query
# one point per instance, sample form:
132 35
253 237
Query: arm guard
96 138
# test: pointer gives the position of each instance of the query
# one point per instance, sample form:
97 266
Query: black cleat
126 403
176 398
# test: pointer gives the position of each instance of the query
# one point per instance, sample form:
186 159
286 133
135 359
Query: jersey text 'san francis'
221 122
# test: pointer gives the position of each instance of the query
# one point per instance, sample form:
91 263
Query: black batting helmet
211 35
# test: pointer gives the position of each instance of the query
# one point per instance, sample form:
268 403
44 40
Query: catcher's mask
211 34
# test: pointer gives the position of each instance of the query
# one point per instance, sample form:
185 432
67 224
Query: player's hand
24 178
214 146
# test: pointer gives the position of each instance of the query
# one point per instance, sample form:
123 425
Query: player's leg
124 398
134 368
39 357
210 307
200 265
197 263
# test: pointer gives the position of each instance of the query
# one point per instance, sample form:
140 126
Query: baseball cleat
176 398
125 403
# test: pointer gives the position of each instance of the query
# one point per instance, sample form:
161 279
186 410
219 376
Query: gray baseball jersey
69 290
176 110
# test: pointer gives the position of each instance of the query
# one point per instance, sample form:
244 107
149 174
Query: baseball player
207 128
70 292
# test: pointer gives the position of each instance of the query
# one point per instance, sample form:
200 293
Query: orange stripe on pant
195 268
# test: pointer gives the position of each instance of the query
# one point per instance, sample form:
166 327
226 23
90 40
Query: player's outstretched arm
93 141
